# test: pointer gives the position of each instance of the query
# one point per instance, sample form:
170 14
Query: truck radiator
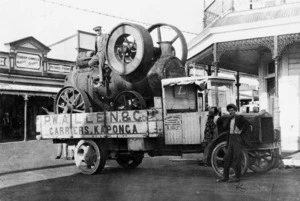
266 130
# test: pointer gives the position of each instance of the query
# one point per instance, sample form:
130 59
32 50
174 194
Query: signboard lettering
94 130
29 61
2 61
114 122
173 122
58 68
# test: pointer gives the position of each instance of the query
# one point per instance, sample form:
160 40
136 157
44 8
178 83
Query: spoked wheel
125 48
90 157
71 100
180 47
130 160
262 160
217 160
129 100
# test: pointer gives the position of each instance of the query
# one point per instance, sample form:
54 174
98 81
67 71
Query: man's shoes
233 180
57 157
223 179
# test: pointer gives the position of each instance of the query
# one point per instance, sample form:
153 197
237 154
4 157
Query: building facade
261 38
31 74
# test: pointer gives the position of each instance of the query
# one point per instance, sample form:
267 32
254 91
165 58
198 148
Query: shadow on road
149 182
35 169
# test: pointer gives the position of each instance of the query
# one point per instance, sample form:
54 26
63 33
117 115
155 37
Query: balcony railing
217 8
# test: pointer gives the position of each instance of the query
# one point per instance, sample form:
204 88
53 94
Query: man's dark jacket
240 122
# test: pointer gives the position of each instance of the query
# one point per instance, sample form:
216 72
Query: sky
49 22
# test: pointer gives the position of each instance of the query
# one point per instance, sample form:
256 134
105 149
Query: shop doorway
12 117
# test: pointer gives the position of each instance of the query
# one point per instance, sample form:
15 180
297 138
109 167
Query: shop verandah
265 43
18 110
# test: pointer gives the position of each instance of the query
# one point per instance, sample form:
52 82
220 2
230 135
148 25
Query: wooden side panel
173 129
191 128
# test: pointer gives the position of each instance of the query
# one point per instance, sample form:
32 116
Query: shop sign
2 61
29 61
57 68
173 122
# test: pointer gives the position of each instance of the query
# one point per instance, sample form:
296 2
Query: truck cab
186 102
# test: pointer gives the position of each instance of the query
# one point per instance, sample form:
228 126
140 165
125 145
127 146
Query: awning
203 57
18 89
200 81
183 81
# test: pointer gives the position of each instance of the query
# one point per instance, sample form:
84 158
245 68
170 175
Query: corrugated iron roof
26 89
259 15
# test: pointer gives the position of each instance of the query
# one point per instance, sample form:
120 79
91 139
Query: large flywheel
166 32
71 100
129 51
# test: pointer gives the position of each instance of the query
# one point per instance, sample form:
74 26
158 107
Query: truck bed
109 124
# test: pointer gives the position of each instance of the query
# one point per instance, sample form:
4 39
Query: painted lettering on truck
82 124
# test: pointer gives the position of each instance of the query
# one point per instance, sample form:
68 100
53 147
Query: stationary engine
137 60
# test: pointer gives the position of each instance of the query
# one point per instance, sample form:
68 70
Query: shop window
271 68
270 78
271 85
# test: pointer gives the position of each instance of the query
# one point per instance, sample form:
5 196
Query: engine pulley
129 51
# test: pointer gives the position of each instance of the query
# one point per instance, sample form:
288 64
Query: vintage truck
175 125
149 105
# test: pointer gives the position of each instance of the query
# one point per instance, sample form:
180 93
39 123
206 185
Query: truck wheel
90 157
130 160
217 160
262 160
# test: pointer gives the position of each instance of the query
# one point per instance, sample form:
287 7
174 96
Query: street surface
28 171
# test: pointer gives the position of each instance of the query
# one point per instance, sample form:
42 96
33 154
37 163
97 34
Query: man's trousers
234 155
99 58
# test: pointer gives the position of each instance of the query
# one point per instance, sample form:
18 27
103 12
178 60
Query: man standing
237 126
99 56
6 125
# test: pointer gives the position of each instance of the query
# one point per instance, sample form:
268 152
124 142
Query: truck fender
209 148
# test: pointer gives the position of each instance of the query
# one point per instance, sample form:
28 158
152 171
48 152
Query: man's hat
231 105
97 28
